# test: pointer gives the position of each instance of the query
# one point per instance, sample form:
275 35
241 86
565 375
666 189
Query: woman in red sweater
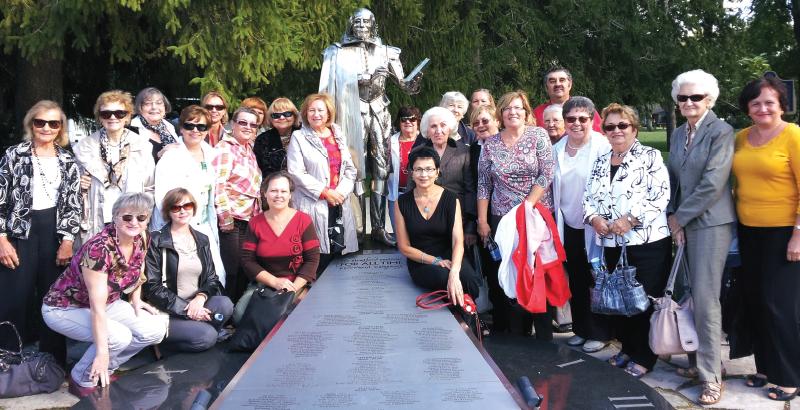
281 249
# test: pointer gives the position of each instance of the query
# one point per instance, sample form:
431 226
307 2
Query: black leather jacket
166 297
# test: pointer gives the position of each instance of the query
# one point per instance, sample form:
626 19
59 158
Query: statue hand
413 86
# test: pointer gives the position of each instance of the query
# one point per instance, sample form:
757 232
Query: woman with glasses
270 146
625 202
40 210
216 105
400 145
85 303
189 166
115 160
150 107
236 194
702 216
515 165
320 165
575 154
429 232
484 122
181 279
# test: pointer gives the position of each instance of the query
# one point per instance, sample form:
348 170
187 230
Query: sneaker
592 346
575 341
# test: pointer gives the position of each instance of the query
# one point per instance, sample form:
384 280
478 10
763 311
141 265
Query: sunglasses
118 114
243 123
129 217
188 207
191 126
285 114
484 121
412 118
54 124
693 97
570 119
622 126
213 107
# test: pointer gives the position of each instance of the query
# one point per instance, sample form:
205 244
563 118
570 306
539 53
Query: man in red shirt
558 83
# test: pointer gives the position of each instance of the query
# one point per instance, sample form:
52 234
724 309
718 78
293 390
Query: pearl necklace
46 182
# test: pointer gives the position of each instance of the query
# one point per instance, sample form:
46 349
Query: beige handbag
672 329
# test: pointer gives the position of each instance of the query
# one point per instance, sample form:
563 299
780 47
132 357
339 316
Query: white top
574 171
45 190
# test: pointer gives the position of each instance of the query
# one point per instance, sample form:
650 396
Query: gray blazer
700 175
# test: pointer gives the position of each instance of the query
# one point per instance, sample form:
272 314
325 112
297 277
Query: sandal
619 360
711 394
778 394
755 380
635 370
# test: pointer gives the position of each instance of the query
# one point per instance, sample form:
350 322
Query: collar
450 142
689 128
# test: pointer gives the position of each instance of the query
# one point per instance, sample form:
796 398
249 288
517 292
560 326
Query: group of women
265 199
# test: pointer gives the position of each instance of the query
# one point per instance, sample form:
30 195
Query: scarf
117 169
160 129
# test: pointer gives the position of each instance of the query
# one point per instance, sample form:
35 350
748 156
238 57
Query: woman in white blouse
625 202
575 156
189 166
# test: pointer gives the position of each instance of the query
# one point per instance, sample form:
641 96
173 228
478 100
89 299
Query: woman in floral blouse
85 301
515 165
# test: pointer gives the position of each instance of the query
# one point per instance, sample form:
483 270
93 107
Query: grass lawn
656 139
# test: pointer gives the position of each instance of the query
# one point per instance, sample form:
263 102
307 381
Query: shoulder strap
676 266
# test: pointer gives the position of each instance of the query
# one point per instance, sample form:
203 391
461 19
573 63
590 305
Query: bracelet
436 261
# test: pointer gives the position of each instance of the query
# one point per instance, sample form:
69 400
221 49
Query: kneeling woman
429 231
84 302
181 279
281 248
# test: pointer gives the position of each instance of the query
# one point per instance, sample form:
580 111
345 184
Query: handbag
618 293
24 374
335 229
440 298
265 309
672 329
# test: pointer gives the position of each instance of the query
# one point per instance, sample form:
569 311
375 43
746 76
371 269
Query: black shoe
565 328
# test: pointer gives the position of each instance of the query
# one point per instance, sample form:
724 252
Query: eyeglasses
285 114
412 118
191 126
484 121
214 107
570 119
188 207
243 123
622 126
129 217
424 171
118 114
54 124
693 97
509 109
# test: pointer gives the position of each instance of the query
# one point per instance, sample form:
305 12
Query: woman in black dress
429 231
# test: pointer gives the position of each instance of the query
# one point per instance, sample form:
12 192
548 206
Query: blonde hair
283 104
325 98
506 100
123 97
45 105
625 111
211 94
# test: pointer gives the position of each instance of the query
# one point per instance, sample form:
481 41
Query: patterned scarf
117 169
160 129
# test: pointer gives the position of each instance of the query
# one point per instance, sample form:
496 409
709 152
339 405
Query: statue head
362 25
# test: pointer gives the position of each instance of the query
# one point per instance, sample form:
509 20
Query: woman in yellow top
766 164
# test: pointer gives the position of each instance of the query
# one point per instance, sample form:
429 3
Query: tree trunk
669 109
42 80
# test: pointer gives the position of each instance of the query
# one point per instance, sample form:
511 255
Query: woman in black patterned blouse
270 146
40 209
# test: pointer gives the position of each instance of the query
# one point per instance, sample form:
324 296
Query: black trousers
652 261
507 315
771 286
585 324
23 288
434 277
230 244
